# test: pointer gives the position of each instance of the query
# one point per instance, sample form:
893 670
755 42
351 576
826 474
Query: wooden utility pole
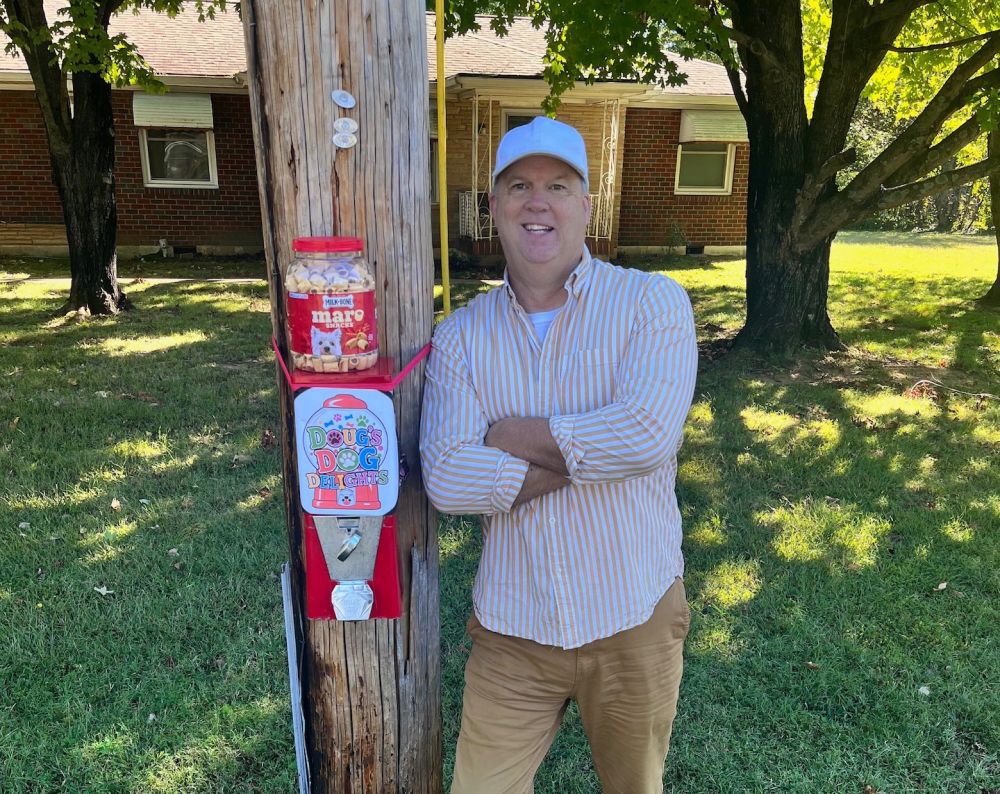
371 689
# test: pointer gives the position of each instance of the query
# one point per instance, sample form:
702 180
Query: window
178 157
434 171
518 118
704 168
176 141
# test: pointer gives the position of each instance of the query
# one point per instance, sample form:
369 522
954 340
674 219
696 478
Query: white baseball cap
543 136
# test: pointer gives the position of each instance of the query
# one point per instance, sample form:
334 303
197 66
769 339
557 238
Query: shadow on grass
133 464
819 522
674 262
149 267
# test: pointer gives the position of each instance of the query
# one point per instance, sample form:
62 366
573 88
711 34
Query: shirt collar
575 283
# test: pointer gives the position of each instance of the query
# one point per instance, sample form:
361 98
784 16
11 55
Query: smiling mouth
536 228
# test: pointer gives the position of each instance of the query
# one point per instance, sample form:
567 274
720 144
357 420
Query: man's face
541 212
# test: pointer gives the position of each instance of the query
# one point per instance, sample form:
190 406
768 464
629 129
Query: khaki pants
516 692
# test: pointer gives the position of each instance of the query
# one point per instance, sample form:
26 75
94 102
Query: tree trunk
371 689
83 171
786 287
992 298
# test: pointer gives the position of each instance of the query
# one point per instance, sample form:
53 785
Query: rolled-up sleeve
642 428
461 474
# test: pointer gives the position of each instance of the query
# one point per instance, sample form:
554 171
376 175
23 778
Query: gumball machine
348 481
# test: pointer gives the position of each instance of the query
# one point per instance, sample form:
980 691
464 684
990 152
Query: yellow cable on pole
442 160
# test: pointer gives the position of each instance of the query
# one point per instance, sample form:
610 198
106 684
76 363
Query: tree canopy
798 71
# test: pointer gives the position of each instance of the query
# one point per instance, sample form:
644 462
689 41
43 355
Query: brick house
668 165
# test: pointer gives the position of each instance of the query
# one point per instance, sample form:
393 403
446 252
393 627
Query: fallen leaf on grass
24 525
150 719
104 591
115 504
187 502
145 502
812 665
241 460
72 382
178 566
941 587
921 389
173 553
12 424
870 789
263 493
268 439
102 394
925 691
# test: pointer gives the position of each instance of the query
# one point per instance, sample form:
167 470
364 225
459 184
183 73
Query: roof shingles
184 47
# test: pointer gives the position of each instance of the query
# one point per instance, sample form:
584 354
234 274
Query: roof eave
215 84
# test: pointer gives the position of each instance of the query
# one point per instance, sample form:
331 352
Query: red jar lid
327 244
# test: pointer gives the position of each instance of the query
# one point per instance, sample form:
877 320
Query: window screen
178 155
703 166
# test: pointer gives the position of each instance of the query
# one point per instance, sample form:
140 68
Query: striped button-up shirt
615 377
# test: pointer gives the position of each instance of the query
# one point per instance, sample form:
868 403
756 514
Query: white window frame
727 190
517 112
213 172
434 154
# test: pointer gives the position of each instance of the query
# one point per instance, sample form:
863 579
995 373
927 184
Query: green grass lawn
826 501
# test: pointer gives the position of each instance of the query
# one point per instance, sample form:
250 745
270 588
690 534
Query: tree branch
816 182
755 46
45 69
894 8
945 44
738 92
984 82
939 153
904 194
858 197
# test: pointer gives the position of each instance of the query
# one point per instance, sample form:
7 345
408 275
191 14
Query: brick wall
648 212
27 195
226 216
651 214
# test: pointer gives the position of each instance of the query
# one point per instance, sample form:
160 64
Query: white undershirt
541 321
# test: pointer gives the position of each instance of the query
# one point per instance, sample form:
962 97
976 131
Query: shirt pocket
588 380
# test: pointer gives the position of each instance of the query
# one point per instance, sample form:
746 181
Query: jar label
332 324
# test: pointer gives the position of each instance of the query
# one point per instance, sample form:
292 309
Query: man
554 407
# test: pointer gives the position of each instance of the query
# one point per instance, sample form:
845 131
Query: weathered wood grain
371 688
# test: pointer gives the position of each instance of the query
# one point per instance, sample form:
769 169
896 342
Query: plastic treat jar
332 322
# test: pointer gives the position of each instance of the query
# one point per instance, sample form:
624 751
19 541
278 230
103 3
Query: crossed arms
473 466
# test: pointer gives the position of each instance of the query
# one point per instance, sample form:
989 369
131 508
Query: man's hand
539 481
528 438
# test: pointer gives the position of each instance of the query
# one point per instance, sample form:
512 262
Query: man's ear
587 202
493 204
